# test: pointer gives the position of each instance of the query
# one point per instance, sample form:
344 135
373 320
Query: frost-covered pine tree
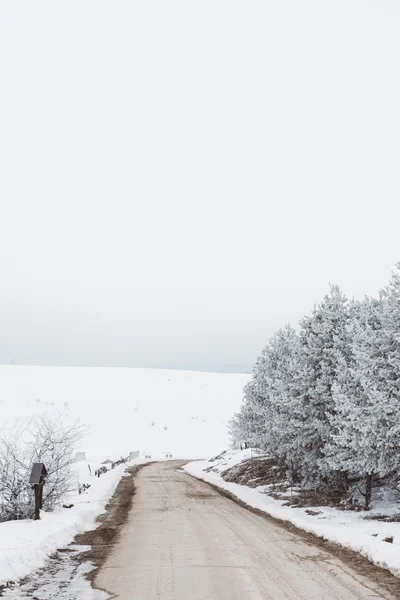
253 422
248 425
281 364
366 426
271 401
324 350
384 373
255 406
353 447
235 429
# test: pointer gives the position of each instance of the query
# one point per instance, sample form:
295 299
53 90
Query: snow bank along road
183 540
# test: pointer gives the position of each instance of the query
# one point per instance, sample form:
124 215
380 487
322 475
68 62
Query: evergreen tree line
325 401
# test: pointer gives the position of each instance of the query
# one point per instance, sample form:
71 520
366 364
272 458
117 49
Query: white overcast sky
180 179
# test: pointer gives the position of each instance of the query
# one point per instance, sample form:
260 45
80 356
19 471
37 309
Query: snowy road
185 541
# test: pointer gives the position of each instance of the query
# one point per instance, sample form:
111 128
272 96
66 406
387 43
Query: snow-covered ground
63 577
350 529
157 411
26 545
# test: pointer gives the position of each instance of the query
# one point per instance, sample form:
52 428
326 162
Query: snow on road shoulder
349 529
26 545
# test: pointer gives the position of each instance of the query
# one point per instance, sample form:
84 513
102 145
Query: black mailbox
38 475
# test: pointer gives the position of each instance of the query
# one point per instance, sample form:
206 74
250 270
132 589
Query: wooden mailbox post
37 479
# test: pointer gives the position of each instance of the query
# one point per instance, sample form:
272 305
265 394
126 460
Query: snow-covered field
349 529
156 411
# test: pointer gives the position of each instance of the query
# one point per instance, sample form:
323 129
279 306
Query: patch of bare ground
354 560
63 566
102 539
384 518
266 471
312 497
256 471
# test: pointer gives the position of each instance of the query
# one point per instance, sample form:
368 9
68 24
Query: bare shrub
44 438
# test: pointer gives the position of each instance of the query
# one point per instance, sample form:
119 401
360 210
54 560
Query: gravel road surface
184 541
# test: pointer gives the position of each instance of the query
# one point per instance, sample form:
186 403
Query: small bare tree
15 500
45 438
